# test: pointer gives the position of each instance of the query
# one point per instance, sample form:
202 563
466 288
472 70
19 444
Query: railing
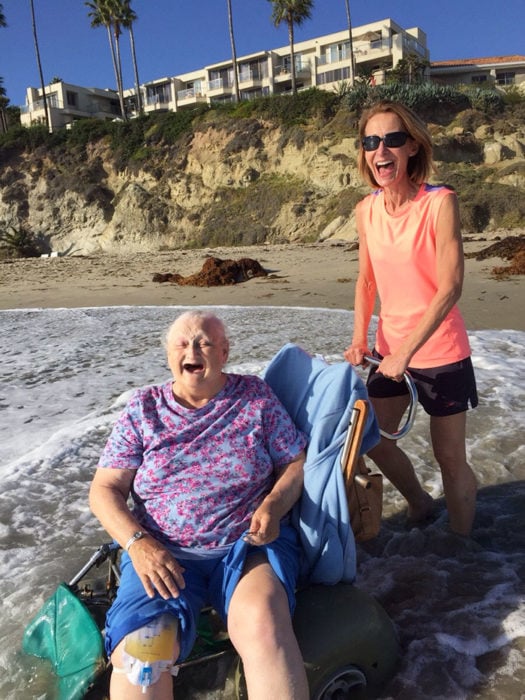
334 57
152 100
301 67
411 44
248 75
189 93
52 102
219 84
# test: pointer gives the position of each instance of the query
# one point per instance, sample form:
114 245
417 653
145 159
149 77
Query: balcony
190 96
219 86
334 57
250 77
283 72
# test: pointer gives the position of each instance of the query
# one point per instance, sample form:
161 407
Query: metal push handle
412 391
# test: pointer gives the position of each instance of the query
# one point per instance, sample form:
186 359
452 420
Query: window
334 76
505 77
157 94
479 79
72 98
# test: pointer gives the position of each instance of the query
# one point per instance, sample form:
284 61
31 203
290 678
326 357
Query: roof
478 61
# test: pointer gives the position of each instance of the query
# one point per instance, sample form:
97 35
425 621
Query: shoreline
320 275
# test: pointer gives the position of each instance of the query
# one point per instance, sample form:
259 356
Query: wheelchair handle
412 391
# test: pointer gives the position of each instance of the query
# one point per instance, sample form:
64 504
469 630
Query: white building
323 62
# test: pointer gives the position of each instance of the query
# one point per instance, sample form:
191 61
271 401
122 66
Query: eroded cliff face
248 182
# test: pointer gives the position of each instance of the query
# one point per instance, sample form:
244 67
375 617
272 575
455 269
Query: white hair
197 315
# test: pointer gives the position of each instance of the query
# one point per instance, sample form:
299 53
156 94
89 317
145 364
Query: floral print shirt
201 472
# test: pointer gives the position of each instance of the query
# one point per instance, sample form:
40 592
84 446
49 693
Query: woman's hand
355 354
157 568
393 367
264 525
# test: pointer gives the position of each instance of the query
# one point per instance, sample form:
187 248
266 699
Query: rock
341 229
216 272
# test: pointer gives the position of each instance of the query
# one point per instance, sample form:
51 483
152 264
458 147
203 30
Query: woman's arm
265 522
365 296
450 271
155 566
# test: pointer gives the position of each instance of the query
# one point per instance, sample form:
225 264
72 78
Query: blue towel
320 397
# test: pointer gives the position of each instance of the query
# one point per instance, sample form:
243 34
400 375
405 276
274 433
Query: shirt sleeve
124 448
285 442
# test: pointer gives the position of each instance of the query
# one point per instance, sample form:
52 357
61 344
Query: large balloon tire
347 641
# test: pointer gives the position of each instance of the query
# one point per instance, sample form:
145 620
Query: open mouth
384 166
192 368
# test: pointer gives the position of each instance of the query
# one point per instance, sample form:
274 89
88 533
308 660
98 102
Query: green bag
65 633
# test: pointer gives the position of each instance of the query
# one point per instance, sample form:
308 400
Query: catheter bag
64 632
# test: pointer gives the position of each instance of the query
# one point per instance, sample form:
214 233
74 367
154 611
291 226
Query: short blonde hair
420 165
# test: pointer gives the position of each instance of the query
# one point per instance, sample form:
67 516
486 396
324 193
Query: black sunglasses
395 139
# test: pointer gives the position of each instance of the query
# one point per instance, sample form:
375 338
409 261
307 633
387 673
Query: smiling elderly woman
213 464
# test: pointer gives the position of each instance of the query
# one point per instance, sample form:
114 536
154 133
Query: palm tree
292 12
4 102
103 13
234 53
352 67
127 17
39 63
3 99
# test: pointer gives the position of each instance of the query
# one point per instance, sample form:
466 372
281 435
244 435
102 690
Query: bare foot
423 511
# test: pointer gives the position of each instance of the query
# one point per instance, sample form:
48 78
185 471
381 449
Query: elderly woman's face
197 352
388 161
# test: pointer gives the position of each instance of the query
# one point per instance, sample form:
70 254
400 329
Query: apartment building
323 62
502 71
67 103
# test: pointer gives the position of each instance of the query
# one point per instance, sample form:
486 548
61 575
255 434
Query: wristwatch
134 537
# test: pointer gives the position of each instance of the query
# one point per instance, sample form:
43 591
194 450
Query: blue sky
174 37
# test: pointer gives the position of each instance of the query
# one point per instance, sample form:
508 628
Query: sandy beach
317 275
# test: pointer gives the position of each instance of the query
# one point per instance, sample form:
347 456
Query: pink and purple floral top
201 472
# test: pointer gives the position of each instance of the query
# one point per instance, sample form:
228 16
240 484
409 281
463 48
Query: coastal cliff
241 181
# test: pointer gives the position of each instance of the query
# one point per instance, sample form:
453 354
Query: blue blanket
319 398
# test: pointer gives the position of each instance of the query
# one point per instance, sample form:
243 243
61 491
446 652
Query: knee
449 457
256 629
148 652
382 451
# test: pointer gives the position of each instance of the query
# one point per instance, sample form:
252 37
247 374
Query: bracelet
134 537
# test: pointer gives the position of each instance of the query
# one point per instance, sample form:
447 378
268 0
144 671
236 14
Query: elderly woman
213 463
411 256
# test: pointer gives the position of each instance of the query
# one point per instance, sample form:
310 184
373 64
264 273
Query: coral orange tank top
402 251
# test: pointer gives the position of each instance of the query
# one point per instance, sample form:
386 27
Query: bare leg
260 628
122 689
394 463
459 482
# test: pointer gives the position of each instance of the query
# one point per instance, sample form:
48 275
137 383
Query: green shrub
437 103
19 243
290 110
487 100
85 131
171 126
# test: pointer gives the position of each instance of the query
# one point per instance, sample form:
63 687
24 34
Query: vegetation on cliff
272 169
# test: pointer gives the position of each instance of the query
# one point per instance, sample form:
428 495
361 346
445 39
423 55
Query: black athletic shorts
442 391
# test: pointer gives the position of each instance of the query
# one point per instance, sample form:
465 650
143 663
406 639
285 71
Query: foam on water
66 374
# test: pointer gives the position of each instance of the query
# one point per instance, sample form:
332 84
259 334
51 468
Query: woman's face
388 165
197 352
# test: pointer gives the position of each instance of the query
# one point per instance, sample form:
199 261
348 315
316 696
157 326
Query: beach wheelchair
348 643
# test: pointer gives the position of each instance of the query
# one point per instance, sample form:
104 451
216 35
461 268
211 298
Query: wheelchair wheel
342 684
348 642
